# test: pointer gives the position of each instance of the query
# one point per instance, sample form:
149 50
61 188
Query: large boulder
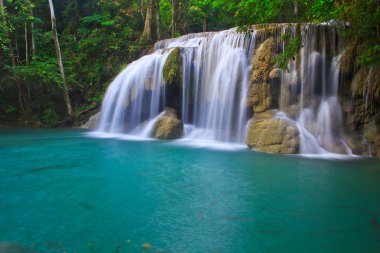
168 126
172 74
273 135
262 93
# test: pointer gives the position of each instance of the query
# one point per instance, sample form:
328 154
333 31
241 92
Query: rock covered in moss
172 74
168 126
273 135
172 71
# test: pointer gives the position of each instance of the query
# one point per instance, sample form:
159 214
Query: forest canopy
97 38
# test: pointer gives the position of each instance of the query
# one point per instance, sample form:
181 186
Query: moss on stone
172 71
172 74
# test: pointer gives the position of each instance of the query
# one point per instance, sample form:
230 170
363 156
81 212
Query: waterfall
134 96
215 69
215 82
320 125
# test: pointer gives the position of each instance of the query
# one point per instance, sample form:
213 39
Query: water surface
63 191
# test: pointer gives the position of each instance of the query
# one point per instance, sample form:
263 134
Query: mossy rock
273 135
168 126
172 72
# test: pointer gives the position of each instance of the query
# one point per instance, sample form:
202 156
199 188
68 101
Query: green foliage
293 46
49 117
98 37
371 56
41 70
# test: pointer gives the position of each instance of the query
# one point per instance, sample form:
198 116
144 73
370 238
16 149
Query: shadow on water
50 167
11 247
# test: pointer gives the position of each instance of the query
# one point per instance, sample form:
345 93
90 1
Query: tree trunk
158 22
31 31
17 52
147 33
26 45
59 59
142 9
12 55
204 24
175 4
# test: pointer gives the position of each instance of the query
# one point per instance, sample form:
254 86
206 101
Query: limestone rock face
372 134
91 123
261 91
172 74
360 82
347 60
168 126
362 108
275 74
273 135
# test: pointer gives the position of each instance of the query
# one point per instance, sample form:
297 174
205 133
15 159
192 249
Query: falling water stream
215 84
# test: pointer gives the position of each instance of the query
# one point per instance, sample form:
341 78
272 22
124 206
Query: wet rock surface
273 135
168 126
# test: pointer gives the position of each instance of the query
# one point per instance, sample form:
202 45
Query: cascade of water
215 82
134 96
320 125
215 85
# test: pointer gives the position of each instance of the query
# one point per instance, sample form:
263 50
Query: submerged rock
168 126
273 135
10 247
